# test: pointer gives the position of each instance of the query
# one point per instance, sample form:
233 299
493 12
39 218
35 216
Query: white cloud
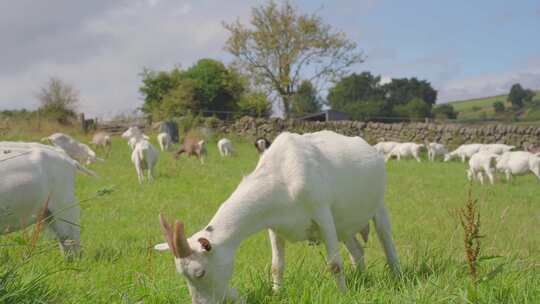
137 34
490 84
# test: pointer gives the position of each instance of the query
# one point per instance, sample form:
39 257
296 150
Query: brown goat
193 146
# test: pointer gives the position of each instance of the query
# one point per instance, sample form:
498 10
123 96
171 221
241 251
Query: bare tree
282 46
59 95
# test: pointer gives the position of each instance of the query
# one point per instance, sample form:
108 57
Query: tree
254 104
402 90
444 111
178 101
155 86
305 100
58 100
498 106
206 86
283 45
414 110
217 88
519 96
351 90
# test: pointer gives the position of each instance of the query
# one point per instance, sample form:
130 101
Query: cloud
101 52
490 84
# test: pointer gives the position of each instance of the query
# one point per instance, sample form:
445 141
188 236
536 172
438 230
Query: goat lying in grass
320 186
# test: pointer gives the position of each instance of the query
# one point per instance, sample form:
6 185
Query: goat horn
168 234
180 240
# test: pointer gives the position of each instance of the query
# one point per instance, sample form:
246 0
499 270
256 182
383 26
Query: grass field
478 107
120 226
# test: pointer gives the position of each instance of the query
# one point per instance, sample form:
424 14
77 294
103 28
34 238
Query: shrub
499 107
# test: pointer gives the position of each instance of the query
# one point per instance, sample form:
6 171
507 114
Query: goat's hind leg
356 253
384 232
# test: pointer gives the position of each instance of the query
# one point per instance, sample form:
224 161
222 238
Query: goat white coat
482 163
164 140
38 182
385 147
496 148
436 149
406 150
319 186
519 163
144 157
134 135
225 147
464 152
73 148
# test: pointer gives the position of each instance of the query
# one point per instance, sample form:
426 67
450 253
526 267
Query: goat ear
205 244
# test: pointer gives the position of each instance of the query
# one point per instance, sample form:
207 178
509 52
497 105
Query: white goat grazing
103 140
164 140
482 163
464 152
144 157
405 150
134 135
305 187
385 147
496 148
73 148
225 147
519 163
39 186
436 149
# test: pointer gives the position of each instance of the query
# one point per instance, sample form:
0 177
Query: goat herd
316 186
484 159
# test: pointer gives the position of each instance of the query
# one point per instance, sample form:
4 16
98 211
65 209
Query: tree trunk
286 105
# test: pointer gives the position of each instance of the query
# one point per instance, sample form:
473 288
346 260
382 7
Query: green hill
480 107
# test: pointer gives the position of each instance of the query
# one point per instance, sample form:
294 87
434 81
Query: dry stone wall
449 134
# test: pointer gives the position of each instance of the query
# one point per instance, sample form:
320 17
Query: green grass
484 105
119 229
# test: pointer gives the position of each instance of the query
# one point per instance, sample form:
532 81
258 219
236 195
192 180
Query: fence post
83 123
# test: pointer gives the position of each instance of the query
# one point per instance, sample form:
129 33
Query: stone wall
449 134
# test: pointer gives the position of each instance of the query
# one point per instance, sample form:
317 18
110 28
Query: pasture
120 226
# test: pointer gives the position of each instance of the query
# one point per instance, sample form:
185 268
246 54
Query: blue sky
464 48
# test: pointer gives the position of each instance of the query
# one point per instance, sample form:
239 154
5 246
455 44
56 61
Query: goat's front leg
278 259
329 235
